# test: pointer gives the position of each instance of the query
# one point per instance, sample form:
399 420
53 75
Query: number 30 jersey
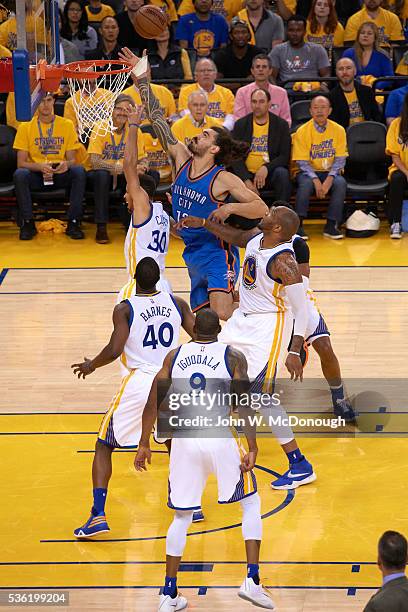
154 323
150 239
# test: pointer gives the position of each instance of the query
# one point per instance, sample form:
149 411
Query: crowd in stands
341 57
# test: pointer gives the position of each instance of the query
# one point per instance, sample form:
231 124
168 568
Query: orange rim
78 70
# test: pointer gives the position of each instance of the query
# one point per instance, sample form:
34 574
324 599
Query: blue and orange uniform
213 265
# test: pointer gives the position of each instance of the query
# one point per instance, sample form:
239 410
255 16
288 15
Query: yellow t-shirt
46 141
4 52
258 153
112 146
164 96
183 128
220 100
82 157
226 8
8 32
319 148
394 146
291 5
327 40
97 100
167 7
157 157
388 24
106 11
356 114
404 9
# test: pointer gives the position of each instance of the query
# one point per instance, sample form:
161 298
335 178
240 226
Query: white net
93 99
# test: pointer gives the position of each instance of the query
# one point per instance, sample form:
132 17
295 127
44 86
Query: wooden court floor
319 546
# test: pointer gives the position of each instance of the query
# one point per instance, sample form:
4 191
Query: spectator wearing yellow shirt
323 27
46 148
168 7
106 158
8 31
157 158
397 147
164 96
266 166
197 120
388 24
226 8
4 52
399 7
220 99
320 151
97 11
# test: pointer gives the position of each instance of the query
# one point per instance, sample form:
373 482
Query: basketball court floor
319 547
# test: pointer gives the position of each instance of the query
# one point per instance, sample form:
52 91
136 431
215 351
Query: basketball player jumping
271 294
194 457
148 233
145 327
200 186
316 333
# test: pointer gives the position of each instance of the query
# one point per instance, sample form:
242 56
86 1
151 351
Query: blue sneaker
343 409
198 516
298 474
93 526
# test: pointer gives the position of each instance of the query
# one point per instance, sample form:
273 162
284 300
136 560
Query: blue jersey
194 197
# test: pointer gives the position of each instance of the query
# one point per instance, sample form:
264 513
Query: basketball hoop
94 86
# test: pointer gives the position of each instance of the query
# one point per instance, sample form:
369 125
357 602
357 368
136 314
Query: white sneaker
170 604
256 594
395 231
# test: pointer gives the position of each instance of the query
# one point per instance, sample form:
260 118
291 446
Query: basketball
150 21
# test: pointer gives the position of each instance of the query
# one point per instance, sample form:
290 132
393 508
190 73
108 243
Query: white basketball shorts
316 326
192 460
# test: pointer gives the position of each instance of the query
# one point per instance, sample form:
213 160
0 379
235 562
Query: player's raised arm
115 346
247 203
237 364
176 149
230 234
137 198
160 386
188 319
284 266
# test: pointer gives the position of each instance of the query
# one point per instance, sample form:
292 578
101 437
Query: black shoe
74 230
101 234
301 232
28 230
331 231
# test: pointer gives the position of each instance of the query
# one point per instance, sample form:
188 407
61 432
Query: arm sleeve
239 105
302 251
279 31
185 62
338 165
285 109
307 168
21 138
283 157
274 57
297 299
322 58
393 106
396 29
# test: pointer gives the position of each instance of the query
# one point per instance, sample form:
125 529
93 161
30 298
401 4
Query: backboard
37 39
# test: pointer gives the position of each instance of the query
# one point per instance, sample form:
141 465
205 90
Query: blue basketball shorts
210 268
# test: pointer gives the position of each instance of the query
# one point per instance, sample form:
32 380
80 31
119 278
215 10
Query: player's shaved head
207 323
147 274
280 220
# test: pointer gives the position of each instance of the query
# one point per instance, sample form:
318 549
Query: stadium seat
300 114
366 168
8 160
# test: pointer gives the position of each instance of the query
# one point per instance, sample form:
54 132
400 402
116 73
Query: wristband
293 353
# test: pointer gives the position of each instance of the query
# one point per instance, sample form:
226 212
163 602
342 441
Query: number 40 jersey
154 323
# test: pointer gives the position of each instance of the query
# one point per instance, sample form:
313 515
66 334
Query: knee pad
177 533
251 517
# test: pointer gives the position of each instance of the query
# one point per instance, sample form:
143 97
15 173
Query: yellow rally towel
52 225
306 86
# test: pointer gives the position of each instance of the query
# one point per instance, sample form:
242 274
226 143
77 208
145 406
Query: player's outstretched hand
143 453
248 461
294 366
135 114
127 55
83 369
190 221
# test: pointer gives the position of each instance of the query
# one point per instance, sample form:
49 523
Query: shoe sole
333 237
200 520
243 595
91 535
396 237
102 241
295 484
177 608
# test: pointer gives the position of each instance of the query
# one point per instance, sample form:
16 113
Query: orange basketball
150 21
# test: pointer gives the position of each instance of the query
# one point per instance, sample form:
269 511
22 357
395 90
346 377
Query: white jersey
150 239
259 292
155 323
205 358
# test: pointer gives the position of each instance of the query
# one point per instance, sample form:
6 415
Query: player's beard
192 145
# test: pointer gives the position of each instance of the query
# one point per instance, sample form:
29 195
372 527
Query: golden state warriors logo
203 42
249 271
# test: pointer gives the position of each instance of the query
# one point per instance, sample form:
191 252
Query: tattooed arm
176 149
285 269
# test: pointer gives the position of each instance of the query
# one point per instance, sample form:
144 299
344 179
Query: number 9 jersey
155 321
